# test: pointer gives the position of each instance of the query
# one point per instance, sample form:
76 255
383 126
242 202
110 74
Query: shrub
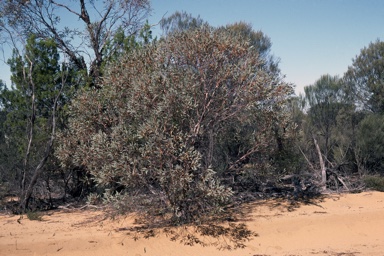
32 215
171 120
374 182
370 137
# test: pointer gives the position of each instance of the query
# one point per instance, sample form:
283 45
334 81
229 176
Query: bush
32 215
374 182
171 120
370 142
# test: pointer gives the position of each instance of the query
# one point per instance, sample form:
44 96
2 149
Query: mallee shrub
155 136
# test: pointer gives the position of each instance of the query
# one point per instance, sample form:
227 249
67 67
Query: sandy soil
347 224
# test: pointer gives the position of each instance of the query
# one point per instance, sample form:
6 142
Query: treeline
178 127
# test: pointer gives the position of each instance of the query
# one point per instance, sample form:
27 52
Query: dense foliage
344 117
173 118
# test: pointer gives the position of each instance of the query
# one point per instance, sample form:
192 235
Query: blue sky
311 37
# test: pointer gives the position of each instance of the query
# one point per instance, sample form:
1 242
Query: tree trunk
322 166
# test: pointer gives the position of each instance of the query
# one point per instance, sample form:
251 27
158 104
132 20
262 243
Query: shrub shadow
229 236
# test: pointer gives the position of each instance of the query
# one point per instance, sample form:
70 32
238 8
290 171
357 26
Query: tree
329 126
283 130
365 78
153 135
121 44
364 82
39 91
47 20
7 151
324 100
181 21
261 42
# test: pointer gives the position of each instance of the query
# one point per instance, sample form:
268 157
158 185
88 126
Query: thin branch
66 7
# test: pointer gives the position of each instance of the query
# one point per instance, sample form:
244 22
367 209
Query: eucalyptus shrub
156 135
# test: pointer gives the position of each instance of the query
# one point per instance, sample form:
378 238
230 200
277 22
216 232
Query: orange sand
347 224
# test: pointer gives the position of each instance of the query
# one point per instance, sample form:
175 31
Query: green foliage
364 84
338 115
365 78
172 119
122 44
374 182
370 141
329 119
37 79
324 100
33 215
259 41
181 21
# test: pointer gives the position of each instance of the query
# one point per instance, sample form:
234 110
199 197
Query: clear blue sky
311 37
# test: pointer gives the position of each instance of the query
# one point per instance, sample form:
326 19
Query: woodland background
179 127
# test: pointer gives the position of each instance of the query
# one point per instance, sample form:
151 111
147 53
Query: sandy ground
347 224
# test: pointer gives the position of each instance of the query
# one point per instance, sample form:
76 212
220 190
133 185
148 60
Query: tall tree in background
327 115
365 78
181 21
40 90
364 82
259 41
121 44
323 100
54 19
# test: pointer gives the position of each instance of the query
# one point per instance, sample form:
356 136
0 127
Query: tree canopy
48 19
365 78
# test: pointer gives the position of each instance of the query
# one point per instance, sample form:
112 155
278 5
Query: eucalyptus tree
323 100
80 29
329 127
181 21
259 41
364 79
364 83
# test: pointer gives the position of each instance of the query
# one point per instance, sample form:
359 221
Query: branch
66 7
309 163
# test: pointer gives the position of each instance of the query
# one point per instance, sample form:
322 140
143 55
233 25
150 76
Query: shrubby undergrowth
174 124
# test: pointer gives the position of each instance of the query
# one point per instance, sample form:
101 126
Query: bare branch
41 17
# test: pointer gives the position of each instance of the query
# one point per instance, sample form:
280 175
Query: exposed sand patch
350 224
